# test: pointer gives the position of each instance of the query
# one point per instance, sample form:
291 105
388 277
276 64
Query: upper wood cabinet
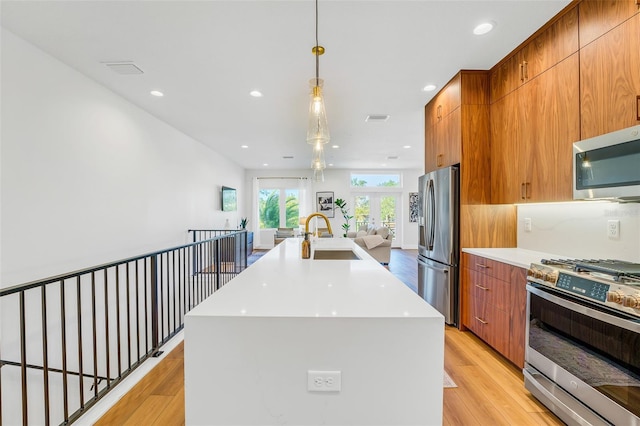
551 46
457 132
532 132
610 79
597 17
445 101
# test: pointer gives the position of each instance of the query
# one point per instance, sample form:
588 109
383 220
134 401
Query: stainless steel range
583 340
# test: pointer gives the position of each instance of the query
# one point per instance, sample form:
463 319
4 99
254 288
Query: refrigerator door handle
432 214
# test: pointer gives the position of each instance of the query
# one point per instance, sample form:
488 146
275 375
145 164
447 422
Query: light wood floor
490 389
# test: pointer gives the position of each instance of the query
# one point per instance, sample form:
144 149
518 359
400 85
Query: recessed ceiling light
335 146
157 93
256 93
484 28
244 146
407 146
265 164
384 164
429 88
330 164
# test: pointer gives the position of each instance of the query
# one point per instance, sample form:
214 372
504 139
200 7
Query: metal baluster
128 318
118 320
146 305
95 328
23 360
45 353
154 303
106 327
80 360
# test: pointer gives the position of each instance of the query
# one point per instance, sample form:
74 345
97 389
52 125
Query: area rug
448 383
257 254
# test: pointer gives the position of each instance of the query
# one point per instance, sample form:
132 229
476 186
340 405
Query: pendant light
318 129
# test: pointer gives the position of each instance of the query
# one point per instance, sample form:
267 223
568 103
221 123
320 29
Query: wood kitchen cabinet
555 43
457 132
494 304
598 17
610 79
532 132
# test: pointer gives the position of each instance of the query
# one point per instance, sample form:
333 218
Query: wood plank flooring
490 389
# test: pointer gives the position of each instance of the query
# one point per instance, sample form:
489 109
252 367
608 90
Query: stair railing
67 340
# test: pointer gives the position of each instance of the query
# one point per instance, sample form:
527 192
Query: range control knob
631 301
531 272
551 277
615 296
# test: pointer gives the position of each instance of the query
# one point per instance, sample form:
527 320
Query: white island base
249 347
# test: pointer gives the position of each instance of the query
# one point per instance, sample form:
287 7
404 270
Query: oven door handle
630 324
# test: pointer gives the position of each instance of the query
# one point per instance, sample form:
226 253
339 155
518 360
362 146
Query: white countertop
513 256
282 284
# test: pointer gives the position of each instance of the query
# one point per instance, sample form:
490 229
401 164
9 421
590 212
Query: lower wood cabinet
494 304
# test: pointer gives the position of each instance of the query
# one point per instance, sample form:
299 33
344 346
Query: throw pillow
383 232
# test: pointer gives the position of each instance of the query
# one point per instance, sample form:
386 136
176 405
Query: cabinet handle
481 287
521 72
439 112
480 265
523 193
638 97
527 190
439 161
525 70
484 322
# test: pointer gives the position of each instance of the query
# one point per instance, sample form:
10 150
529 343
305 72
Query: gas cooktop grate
614 268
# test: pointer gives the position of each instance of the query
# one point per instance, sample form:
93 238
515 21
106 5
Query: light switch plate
527 224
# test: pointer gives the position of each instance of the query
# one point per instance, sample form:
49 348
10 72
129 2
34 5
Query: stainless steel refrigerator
438 247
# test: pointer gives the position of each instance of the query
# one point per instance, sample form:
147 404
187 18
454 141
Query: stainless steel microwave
608 166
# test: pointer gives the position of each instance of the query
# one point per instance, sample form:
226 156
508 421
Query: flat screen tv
229 199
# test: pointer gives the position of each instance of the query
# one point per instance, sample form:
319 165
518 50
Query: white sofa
375 241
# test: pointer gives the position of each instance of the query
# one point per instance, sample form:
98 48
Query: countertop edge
519 257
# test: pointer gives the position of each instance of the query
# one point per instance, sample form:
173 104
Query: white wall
579 229
88 178
338 181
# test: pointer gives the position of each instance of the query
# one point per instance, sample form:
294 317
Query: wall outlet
527 224
324 381
613 229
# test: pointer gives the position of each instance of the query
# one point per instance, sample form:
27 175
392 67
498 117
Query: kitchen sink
335 255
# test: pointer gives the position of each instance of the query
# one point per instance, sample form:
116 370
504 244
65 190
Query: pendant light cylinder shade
318 129
317 162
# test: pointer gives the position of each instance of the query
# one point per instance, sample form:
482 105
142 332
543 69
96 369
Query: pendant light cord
317 48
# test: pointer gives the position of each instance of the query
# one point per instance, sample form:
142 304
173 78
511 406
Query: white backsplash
579 229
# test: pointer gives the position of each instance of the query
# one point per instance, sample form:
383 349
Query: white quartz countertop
282 284
513 256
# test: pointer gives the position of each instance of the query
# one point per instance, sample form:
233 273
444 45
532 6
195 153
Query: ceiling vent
287 157
377 118
392 157
124 68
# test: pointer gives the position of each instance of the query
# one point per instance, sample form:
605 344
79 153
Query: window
279 208
375 180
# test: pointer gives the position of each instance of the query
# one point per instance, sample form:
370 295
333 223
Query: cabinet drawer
493 291
486 266
491 325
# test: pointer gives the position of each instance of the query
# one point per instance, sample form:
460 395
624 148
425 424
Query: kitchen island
308 342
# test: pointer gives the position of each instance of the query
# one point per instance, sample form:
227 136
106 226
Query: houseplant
243 223
342 205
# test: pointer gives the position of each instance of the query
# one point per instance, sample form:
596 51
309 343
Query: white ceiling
206 56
